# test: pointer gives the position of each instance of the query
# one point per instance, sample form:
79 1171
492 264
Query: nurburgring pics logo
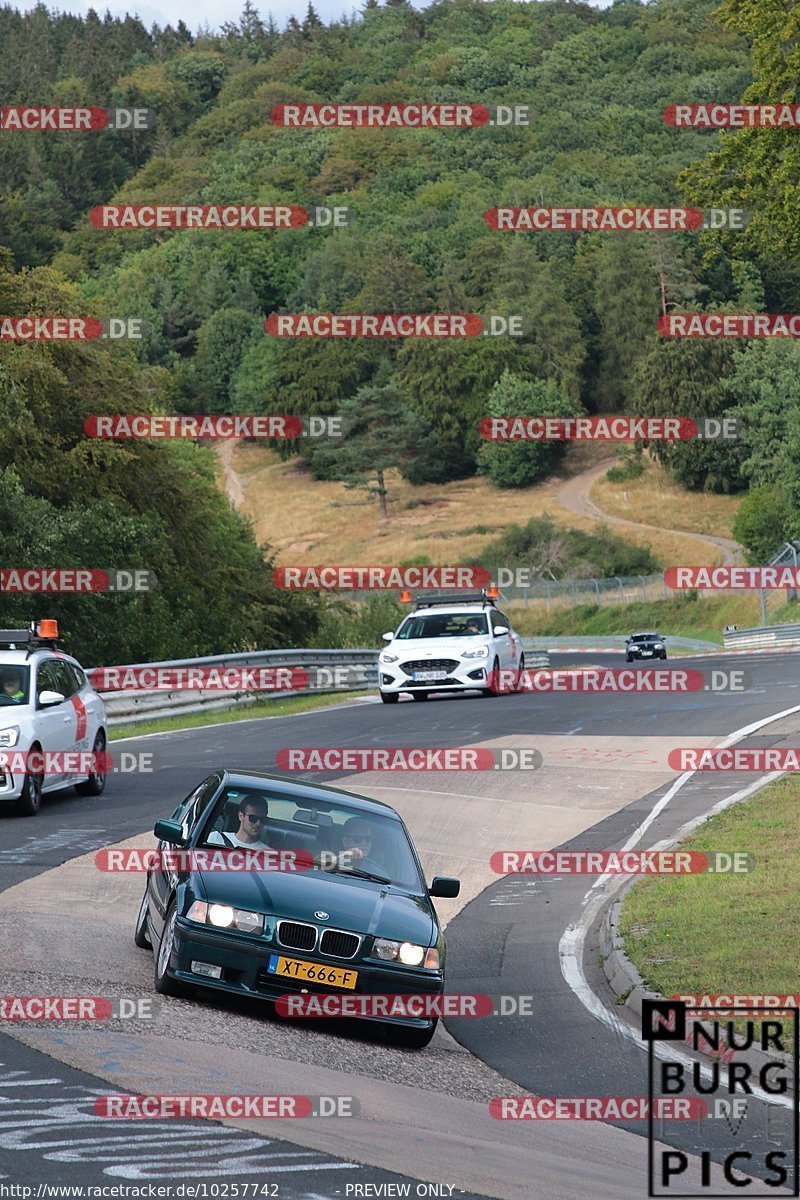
226 425
394 578
398 116
732 116
606 429
415 758
729 325
75 579
24 118
392 325
738 579
775 1047
620 862
612 220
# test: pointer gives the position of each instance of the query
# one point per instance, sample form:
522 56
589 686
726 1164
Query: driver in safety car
252 816
11 683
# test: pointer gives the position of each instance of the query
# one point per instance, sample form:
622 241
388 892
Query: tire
491 691
412 1039
520 670
390 697
420 695
141 937
95 785
664 657
30 800
628 658
164 984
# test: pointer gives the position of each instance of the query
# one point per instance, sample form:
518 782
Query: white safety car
48 706
451 642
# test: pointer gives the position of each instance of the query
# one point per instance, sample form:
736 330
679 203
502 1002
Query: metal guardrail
334 671
763 637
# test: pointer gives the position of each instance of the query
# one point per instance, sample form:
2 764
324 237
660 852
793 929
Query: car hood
415 648
353 903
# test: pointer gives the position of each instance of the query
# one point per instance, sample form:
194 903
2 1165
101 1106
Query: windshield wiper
365 875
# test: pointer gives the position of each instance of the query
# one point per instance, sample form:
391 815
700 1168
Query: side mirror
444 886
500 630
627 641
661 638
48 699
170 831
387 637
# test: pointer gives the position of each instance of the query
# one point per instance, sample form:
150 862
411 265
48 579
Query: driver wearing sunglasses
252 816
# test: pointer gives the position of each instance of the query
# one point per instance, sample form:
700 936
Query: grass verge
264 708
725 933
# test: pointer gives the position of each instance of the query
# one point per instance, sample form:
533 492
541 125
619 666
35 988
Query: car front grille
297 936
338 944
430 664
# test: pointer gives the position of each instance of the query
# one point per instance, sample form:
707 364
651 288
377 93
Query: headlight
10 736
406 953
481 652
225 917
658 645
385 657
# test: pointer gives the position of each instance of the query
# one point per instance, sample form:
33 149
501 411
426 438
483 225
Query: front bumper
461 675
647 654
244 970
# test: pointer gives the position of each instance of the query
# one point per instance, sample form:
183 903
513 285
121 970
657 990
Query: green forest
597 82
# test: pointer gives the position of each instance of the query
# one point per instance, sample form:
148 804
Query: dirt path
231 481
574 495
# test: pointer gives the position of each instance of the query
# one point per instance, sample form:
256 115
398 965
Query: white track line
571 946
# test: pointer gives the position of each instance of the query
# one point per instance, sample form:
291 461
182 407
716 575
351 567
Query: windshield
443 625
14 684
646 637
340 839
